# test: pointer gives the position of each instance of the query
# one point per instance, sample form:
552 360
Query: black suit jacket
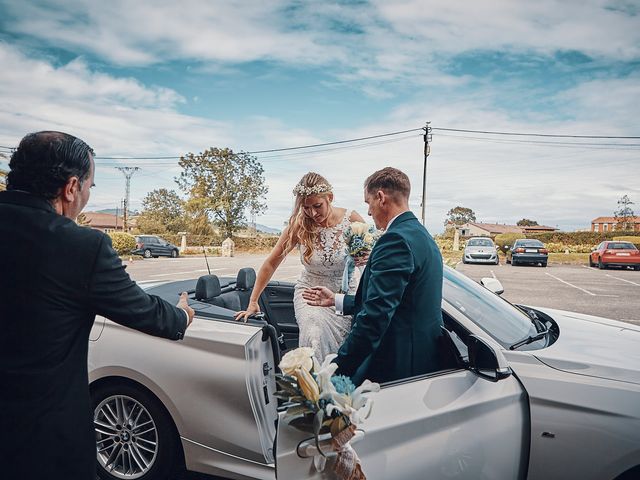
54 278
397 308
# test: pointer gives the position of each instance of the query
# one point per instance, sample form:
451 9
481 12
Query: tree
162 212
624 214
525 222
460 216
223 185
3 174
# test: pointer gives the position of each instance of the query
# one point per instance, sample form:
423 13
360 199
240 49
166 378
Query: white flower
296 359
359 228
368 238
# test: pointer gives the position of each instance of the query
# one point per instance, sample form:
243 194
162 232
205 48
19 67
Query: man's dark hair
45 161
392 181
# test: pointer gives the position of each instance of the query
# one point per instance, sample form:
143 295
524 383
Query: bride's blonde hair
302 229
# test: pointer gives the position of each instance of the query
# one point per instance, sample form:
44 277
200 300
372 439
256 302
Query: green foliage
525 222
162 212
577 238
123 243
460 215
504 240
223 185
633 239
3 176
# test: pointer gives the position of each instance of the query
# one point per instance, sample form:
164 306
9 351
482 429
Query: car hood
593 346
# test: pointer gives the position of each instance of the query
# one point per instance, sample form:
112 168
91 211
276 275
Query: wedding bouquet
319 402
360 239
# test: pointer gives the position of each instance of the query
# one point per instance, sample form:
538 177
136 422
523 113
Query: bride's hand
362 259
243 315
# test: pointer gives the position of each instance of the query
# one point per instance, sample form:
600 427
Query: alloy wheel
126 437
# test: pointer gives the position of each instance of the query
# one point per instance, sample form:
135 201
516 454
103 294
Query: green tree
460 215
162 212
525 222
624 214
3 174
224 186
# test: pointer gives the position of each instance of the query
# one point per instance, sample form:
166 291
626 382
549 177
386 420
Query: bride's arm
265 273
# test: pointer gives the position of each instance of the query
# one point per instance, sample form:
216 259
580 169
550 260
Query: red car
612 253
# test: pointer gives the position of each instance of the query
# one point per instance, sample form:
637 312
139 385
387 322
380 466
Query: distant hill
112 211
265 229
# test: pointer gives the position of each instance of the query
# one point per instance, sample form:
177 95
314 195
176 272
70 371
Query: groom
397 313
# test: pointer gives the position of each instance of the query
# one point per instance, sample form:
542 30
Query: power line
535 134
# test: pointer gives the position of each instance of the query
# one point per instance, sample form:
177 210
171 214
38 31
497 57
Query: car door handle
308 448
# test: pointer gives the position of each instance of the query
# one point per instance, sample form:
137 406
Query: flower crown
314 190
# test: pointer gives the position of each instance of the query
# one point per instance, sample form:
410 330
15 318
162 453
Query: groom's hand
319 296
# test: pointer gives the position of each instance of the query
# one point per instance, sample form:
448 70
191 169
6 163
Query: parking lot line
493 274
572 285
623 280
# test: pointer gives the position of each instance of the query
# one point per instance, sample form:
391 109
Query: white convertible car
524 392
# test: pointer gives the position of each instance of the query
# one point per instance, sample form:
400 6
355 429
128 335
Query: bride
316 228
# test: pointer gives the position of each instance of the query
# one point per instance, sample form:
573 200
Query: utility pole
427 149
128 173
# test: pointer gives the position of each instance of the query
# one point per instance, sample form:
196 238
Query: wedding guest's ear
330 197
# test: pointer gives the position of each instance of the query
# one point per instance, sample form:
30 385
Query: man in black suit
55 277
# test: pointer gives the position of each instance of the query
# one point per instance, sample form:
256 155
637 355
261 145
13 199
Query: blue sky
161 78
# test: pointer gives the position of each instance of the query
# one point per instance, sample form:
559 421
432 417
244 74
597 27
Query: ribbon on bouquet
347 466
349 266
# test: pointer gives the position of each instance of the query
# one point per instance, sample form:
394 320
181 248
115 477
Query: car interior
221 297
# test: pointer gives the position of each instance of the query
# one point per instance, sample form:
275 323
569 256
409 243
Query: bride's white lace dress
320 327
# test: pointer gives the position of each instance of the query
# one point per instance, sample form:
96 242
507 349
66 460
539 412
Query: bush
123 243
504 240
627 238
578 238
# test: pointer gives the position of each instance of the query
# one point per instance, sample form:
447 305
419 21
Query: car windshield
479 242
529 243
504 322
622 246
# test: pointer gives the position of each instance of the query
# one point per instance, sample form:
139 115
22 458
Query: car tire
497 261
637 268
161 459
513 263
507 260
591 264
174 253
146 253
544 264
601 266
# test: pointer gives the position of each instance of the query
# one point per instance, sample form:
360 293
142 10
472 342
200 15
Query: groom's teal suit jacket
397 307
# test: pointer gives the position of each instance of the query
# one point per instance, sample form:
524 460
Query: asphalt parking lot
612 293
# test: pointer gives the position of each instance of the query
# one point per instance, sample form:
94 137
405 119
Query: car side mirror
492 284
483 360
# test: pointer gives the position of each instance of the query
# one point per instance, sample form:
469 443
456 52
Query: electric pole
128 173
427 149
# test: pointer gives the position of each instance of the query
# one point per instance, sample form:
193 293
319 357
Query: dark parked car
153 246
619 254
525 250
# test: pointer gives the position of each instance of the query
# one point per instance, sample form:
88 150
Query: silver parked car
480 250
524 392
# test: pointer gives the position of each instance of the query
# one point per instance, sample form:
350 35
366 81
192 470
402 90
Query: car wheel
513 262
601 265
591 264
637 268
135 437
497 261
544 264
147 253
174 253
507 260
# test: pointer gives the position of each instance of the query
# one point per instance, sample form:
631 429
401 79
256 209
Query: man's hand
362 259
182 303
319 296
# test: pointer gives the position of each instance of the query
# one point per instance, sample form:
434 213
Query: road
613 293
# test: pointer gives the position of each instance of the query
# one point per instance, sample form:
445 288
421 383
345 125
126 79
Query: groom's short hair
390 180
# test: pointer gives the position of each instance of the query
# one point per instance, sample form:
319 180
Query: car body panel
581 427
210 383
428 428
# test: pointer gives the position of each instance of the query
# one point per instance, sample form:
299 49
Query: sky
163 78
